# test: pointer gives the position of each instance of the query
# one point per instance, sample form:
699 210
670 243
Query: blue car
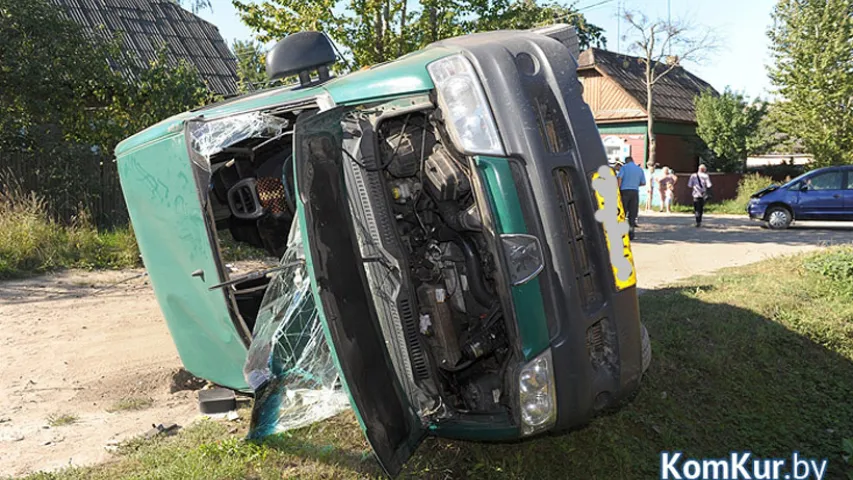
822 194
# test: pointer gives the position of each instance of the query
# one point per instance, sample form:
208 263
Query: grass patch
234 251
130 403
62 419
757 358
32 242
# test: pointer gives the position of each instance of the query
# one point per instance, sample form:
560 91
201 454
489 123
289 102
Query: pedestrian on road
631 177
700 182
652 187
667 188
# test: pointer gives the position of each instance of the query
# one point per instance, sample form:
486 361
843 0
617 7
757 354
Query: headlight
523 257
462 100
537 398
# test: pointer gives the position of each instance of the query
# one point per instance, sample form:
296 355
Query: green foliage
837 267
728 125
62 419
251 66
847 445
71 97
812 45
31 242
375 31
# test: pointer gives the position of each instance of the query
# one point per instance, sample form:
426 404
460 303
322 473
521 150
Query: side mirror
804 187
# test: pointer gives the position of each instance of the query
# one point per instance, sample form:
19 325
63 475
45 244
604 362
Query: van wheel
778 218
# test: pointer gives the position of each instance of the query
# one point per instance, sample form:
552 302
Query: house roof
148 24
673 94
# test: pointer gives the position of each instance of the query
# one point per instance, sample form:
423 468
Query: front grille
574 231
600 348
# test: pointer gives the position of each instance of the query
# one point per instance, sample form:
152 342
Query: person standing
631 177
699 182
652 188
667 189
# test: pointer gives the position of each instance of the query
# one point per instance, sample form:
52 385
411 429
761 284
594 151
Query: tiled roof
673 94
147 24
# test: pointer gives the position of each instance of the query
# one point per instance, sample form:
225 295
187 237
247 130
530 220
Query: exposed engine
438 220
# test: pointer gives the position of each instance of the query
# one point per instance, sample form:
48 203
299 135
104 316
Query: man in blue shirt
631 177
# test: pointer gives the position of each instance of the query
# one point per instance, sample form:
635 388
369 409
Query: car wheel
779 218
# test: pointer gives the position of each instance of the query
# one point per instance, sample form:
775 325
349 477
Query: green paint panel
496 429
631 128
162 199
526 298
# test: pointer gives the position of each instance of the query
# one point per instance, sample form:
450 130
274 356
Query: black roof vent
301 54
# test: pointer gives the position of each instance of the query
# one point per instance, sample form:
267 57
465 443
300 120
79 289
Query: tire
779 218
647 349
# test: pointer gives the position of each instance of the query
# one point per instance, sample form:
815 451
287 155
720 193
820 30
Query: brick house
614 87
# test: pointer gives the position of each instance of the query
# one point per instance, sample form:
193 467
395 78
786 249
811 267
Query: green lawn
758 358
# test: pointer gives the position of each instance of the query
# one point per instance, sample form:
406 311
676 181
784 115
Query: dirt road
68 348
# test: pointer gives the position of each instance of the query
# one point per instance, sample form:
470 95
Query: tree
58 81
662 47
375 31
729 126
812 45
251 69
71 97
195 5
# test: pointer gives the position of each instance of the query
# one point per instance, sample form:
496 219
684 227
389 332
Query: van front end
584 348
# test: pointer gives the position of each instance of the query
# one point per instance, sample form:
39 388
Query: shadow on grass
723 378
360 463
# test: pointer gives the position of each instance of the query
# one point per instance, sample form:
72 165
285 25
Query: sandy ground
72 344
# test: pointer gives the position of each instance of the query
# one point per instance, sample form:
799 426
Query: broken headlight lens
467 113
523 257
537 397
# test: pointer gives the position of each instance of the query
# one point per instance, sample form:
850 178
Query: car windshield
289 364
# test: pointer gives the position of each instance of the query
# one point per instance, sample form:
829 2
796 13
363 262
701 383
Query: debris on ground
216 401
162 429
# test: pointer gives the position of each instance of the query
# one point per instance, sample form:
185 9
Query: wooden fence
71 179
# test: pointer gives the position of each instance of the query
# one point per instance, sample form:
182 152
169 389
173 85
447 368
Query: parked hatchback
822 194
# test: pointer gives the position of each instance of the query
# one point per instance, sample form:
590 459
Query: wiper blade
258 274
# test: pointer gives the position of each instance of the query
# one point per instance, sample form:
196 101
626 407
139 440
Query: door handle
837 195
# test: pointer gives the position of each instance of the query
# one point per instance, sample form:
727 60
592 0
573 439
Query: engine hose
476 281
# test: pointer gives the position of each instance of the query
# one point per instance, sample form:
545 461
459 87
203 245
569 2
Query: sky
740 25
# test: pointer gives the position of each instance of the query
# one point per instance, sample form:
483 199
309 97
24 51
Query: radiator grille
576 234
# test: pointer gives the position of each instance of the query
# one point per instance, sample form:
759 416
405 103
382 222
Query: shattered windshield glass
289 364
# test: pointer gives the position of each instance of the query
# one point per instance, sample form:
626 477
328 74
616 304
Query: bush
33 242
748 185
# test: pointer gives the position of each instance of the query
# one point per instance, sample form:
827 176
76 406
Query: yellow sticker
607 195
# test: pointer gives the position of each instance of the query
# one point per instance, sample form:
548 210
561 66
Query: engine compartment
452 269
458 319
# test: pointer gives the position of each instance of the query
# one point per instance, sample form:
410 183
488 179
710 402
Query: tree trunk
433 23
402 44
378 36
651 120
